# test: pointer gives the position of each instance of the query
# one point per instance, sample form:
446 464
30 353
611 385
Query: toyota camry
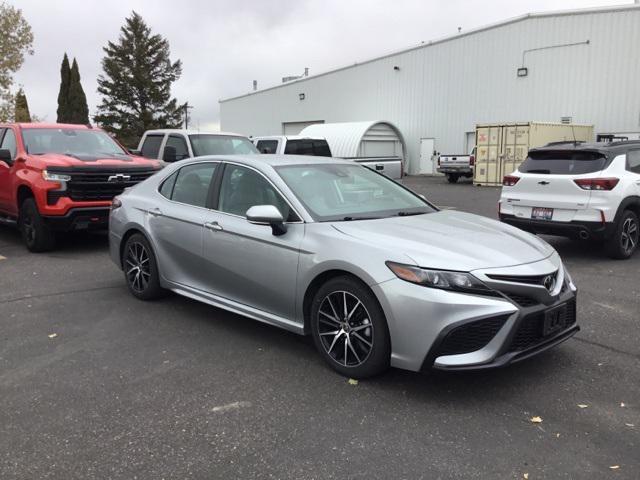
375 273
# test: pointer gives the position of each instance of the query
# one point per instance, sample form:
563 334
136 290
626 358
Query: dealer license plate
539 213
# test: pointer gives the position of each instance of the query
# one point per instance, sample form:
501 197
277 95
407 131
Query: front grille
471 336
531 329
92 184
527 279
522 300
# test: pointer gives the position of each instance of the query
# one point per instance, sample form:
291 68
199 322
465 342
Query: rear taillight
597 183
472 161
510 180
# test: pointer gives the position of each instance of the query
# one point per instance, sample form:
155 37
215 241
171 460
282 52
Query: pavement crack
607 347
54 294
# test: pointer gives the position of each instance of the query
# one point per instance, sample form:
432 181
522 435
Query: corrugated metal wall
443 90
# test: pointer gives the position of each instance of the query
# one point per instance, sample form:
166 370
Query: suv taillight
510 180
597 183
472 161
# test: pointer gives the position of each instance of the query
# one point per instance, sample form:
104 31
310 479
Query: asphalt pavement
95 384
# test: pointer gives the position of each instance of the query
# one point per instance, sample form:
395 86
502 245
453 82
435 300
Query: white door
470 142
426 166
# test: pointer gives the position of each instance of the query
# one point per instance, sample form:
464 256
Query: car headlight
447 280
55 177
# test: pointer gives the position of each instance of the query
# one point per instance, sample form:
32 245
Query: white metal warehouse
577 66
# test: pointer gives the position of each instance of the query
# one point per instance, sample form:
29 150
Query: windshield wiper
349 219
408 214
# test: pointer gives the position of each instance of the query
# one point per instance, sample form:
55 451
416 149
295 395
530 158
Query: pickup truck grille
97 184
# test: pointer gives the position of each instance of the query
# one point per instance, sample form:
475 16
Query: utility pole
186 107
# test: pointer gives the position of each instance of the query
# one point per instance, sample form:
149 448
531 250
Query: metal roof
344 138
449 38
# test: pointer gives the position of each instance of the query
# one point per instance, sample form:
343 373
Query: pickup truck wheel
624 240
141 269
452 178
37 235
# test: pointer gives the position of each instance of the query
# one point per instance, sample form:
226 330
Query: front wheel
141 269
624 240
37 235
349 328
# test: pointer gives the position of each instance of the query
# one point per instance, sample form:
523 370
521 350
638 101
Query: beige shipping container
502 147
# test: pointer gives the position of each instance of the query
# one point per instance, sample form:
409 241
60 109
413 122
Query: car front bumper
91 218
445 330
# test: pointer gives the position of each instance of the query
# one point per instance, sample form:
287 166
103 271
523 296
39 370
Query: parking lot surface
96 384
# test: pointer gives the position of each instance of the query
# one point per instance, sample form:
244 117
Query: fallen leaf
614 467
557 435
53 335
535 420
353 381
582 405
622 404
525 476
630 425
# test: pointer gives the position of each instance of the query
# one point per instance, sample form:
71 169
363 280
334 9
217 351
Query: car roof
605 148
56 125
191 132
258 161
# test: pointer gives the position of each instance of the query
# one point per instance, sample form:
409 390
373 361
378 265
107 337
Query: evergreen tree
22 108
77 108
63 94
136 84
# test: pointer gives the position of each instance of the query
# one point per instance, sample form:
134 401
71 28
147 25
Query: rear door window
299 147
151 146
192 185
633 161
321 148
563 162
267 146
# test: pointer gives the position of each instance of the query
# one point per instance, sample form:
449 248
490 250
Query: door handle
213 226
155 212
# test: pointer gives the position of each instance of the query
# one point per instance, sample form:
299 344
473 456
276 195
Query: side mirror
5 156
267 215
170 154
135 152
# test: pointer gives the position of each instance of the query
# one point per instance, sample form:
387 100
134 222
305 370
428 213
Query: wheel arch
630 203
22 193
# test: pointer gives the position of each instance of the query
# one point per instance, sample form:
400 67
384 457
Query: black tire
452 178
141 269
366 342
624 241
36 234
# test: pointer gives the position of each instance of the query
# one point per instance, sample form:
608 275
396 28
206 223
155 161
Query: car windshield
349 192
204 144
563 163
80 143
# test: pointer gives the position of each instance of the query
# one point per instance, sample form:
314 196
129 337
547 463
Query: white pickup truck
302 145
456 166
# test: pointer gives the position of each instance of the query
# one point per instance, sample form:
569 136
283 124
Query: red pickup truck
56 177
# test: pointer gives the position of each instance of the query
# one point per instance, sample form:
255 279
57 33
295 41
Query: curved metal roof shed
360 139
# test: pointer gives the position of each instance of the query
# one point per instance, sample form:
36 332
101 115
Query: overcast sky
225 44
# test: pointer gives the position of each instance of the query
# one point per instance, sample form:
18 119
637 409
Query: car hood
450 240
60 160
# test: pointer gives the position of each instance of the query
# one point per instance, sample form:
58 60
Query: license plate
539 213
554 320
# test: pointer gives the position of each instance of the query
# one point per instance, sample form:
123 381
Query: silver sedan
375 273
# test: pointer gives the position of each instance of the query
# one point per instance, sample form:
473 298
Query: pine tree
136 84
22 108
77 108
63 94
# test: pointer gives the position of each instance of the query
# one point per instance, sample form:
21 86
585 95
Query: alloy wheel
138 267
345 328
629 237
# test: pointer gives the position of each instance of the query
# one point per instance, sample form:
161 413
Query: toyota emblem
549 282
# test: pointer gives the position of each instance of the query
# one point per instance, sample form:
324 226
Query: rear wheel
141 269
624 240
37 235
349 328
452 178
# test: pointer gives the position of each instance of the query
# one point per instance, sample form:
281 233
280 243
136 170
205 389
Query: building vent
566 120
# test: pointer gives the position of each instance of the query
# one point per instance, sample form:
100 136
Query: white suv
578 190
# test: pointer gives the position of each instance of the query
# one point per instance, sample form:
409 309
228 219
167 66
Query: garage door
380 141
294 128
